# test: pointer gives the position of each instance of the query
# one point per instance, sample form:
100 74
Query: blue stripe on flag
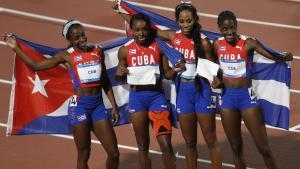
275 115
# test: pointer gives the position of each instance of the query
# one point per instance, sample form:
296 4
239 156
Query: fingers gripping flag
268 76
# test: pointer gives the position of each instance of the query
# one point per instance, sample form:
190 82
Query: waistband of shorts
156 87
236 91
89 97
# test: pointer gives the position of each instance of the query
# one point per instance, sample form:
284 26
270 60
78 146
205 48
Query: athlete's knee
167 149
265 151
84 152
191 142
114 155
212 143
143 145
237 148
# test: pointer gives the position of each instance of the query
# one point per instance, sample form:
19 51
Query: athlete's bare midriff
237 82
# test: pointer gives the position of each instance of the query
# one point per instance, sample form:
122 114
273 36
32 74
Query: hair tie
68 25
188 2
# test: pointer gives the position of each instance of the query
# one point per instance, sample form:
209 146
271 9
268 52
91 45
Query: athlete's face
78 38
186 21
229 30
140 31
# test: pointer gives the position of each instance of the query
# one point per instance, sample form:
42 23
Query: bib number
89 72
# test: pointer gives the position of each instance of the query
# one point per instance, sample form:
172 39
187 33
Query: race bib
89 72
73 101
190 71
234 68
142 75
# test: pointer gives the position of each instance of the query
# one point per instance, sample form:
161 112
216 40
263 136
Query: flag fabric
39 99
267 75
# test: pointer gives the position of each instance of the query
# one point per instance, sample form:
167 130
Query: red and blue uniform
150 100
189 100
86 72
153 101
236 63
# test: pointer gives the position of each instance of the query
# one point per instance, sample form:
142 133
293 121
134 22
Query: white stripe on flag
272 91
111 57
121 93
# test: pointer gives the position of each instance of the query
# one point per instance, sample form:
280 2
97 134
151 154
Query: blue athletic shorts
147 100
190 101
84 109
238 98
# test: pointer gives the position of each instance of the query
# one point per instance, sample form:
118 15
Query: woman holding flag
238 100
194 93
86 108
142 62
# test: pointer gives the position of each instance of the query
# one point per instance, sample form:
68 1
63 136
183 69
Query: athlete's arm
217 81
46 64
108 89
122 71
208 49
252 44
171 72
163 34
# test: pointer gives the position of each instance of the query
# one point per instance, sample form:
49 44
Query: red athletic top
86 68
234 60
142 56
186 47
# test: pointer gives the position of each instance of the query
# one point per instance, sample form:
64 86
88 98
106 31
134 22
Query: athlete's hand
115 116
10 40
122 71
216 82
115 6
288 56
179 67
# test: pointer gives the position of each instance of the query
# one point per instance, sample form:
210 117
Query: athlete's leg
253 119
140 123
82 137
208 127
167 150
160 121
231 120
188 126
105 133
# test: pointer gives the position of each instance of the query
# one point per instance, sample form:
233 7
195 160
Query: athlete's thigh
82 135
231 121
164 141
140 124
254 121
188 126
207 124
104 131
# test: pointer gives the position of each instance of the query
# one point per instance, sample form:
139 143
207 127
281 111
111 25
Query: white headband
68 25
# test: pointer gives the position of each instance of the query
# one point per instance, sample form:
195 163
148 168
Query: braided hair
195 33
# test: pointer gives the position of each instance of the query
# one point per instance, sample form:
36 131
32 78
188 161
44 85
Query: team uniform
86 72
189 100
236 63
152 100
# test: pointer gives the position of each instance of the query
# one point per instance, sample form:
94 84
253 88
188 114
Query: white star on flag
39 85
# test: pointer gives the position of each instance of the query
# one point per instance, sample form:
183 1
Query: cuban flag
39 99
271 81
